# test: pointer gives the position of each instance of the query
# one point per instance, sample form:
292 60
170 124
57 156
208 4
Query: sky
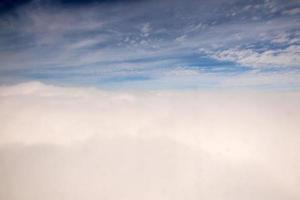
151 44
149 99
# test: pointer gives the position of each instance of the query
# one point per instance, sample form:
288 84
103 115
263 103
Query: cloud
293 11
86 143
288 57
146 29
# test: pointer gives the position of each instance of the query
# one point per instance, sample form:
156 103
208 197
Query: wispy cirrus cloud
288 57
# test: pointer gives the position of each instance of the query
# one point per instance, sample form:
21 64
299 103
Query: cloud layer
85 143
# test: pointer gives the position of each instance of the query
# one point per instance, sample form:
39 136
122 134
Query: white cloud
181 38
146 29
86 43
288 57
181 71
281 39
293 11
85 143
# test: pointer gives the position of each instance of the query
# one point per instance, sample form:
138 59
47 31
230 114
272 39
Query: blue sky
151 44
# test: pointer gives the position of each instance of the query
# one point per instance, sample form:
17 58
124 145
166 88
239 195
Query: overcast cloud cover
84 143
154 100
